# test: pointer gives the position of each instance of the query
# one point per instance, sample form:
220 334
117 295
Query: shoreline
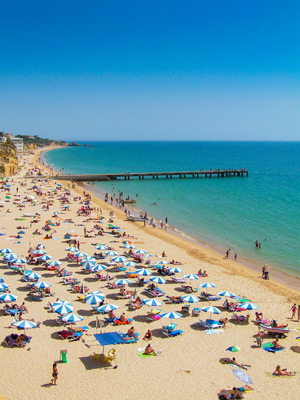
251 268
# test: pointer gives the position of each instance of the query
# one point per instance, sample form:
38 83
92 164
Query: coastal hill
8 158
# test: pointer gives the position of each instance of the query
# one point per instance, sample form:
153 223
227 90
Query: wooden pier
226 173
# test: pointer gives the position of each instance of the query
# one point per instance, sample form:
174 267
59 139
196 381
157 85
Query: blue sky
140 70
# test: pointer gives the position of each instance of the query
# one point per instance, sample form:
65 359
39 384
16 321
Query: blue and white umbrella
119 259
1 279
88 264
140 251
129 246
39 252
40 246
41 285
24 324
8 297
10 256
80 254
32 275
101 247
107 308
191 277
45 257
111 253
206 285
153 303
3 286
211 310
98 267
248 306
122 282
71 318
54 263
190 299
18 261
242 376
158 280
6 251
72 249
89 258
226 294
171 315
130 264
94 298
62 307
162 262
144 272
175 270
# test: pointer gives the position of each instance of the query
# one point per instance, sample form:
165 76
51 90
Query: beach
188 365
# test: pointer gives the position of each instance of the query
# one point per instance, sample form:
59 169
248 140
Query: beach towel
272 375
145 355
267 345
272 350
212 331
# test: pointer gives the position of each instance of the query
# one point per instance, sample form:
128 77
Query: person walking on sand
54 373
293 309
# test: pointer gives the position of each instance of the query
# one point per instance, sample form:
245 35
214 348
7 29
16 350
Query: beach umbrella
242 376
101 247
248 306
71 318
72 249
298 338
129 246
45 257
80 254
88 264
206 285
8 297
175 270
24 324
163 262
153 303
211 310
89 258
226 294
98 267
62 307
18 261
130 264
21 233
144 272
171 315
10 256
1 279
40 251
94 298
158 280
119 259
40 246
3 286
5 250
122 282
233 349
55 263
140 251
41 285
191 277
32 275
111 253
107 307
190 299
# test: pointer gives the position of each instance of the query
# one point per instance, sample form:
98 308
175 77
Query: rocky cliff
8 158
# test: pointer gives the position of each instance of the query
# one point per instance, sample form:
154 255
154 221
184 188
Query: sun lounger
210 324
196 311
173 300
209 297
240 318
188 289
154 293
10 341
13 311
178 280
173 333
185 308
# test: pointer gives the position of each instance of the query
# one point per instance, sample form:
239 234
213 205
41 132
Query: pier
225 173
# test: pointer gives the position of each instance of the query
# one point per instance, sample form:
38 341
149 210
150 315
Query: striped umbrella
249 306
41 285
144 272
10 256
153 303
191 277
171 315
190 299
111 253
175 270
71 318
206 285
24 324
233 349
119 259
101 247
62 307
94 298
129 246
55 263
40 246
3 286
107 308
140 251
39 252
130 264
32 275
45 257
89 258
6 251
18 261
158 279
80 254
8 297
72 249
211 310
122 282
88 264
98 267
163 262
1 279
226 294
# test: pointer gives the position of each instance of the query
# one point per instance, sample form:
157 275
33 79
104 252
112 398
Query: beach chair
178 280
172 333
185 308
196 311
210 324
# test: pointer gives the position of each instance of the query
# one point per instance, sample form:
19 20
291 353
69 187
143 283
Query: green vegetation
39 142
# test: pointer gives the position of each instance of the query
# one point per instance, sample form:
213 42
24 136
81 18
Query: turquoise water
226 213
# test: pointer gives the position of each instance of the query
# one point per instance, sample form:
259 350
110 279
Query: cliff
8 158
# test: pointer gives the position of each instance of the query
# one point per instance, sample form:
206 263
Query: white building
18 142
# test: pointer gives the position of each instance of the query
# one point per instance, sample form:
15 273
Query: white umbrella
144 272
175 270
106 308
32 275
97 268
153 303
158 279
101 247
62 307
191 277
94 298
80 254
55 263
140 251
130 264
129 246
119 259
45 257
88 264
190 299
248 306
163 262
24 324
3 286
171 315
211 310
18 261
8 297
72 249
122 282
10 256
89 258
41 285
40 251
111 253
71 318
226 294
5 250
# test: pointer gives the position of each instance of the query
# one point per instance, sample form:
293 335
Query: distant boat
129 201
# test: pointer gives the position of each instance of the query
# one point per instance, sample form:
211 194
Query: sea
222 213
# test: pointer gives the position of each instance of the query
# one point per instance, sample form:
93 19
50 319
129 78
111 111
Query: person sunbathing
175 299
278 371
244 366
149 350
131 333
21 339
123 319
148 335
111 315
276 345
138 301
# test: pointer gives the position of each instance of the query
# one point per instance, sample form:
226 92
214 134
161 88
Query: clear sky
151 70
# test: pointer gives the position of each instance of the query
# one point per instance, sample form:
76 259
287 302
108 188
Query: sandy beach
187 365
